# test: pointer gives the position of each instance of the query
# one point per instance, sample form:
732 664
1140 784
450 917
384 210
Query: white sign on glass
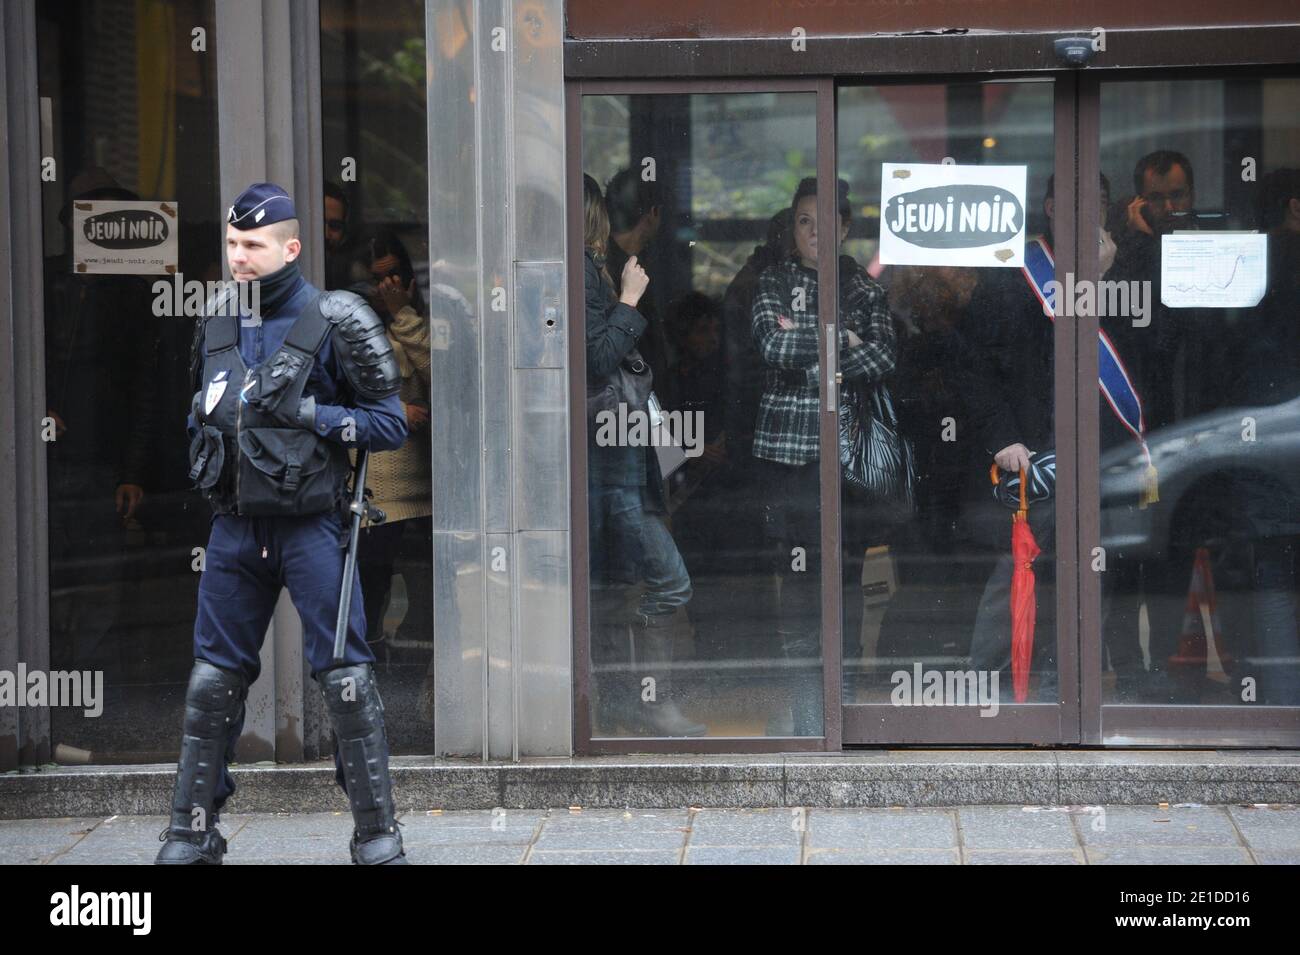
940 214
117 237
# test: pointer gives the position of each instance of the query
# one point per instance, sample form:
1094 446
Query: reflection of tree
605 139
730 187
398 175
374 108
716 264
403 68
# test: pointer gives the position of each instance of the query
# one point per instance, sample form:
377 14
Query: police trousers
247 561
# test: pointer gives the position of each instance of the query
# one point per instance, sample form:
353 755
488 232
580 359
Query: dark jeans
792 519
628 543
406 546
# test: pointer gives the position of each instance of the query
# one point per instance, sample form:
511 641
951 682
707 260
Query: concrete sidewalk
968 835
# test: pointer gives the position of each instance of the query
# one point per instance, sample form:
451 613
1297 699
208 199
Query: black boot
654 644
212 707
357 715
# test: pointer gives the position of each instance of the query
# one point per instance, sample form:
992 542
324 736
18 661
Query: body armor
251 455
361 345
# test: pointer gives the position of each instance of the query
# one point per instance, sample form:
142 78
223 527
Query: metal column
503 660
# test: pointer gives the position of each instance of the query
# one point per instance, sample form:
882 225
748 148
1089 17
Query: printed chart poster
952 215
1213 269
113 237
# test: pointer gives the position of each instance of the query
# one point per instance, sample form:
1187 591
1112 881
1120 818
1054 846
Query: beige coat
401 479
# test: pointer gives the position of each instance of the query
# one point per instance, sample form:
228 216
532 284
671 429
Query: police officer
281 395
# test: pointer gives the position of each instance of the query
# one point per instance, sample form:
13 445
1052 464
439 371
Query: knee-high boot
213 702
655 642
357 715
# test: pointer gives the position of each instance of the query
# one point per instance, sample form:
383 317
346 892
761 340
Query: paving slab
957 835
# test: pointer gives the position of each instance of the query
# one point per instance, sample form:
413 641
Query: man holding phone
1164 198
1183 358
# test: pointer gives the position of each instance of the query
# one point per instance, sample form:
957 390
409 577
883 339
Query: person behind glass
338 253
401 479
625 499
928 303
1270 509
785 330
1180 361
744 369
1010 396
1165 201
704 523
635 212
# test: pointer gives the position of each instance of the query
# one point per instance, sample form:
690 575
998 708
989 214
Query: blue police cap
261 204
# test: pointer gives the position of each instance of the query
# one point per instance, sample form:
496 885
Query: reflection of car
1207 467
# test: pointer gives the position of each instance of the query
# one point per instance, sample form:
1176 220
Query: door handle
833 378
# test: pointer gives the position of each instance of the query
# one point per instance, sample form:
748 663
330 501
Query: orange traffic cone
1201 651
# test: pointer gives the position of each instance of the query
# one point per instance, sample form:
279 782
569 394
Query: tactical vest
244 458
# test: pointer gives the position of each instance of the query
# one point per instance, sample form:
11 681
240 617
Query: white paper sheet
1213 269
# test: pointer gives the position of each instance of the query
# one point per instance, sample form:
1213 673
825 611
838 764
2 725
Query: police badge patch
216 388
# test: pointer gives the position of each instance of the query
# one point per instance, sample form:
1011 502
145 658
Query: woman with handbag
628 539
785 330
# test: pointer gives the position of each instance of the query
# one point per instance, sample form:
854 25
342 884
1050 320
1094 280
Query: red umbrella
1024 603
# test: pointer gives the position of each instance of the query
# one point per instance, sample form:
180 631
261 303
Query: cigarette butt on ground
71 755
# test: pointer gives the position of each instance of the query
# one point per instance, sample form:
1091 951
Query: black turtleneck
275 288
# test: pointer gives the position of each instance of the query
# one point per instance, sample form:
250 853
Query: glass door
700 517
955 212
132 132
1199 508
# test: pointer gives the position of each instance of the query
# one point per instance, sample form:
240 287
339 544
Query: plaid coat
787 427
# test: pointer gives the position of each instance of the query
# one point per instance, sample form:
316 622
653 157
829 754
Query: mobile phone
1148 215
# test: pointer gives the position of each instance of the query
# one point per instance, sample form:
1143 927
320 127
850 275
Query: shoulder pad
361 345
340 303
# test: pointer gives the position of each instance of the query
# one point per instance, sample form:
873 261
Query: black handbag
630 383
877 463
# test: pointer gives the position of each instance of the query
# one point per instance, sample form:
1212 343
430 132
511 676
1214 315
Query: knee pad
352 699
213 700
357 715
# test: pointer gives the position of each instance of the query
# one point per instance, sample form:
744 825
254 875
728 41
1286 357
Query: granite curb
913 778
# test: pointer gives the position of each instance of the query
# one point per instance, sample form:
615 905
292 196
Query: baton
358 508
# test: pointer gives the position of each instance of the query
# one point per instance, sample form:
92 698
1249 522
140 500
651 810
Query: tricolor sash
1112 377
